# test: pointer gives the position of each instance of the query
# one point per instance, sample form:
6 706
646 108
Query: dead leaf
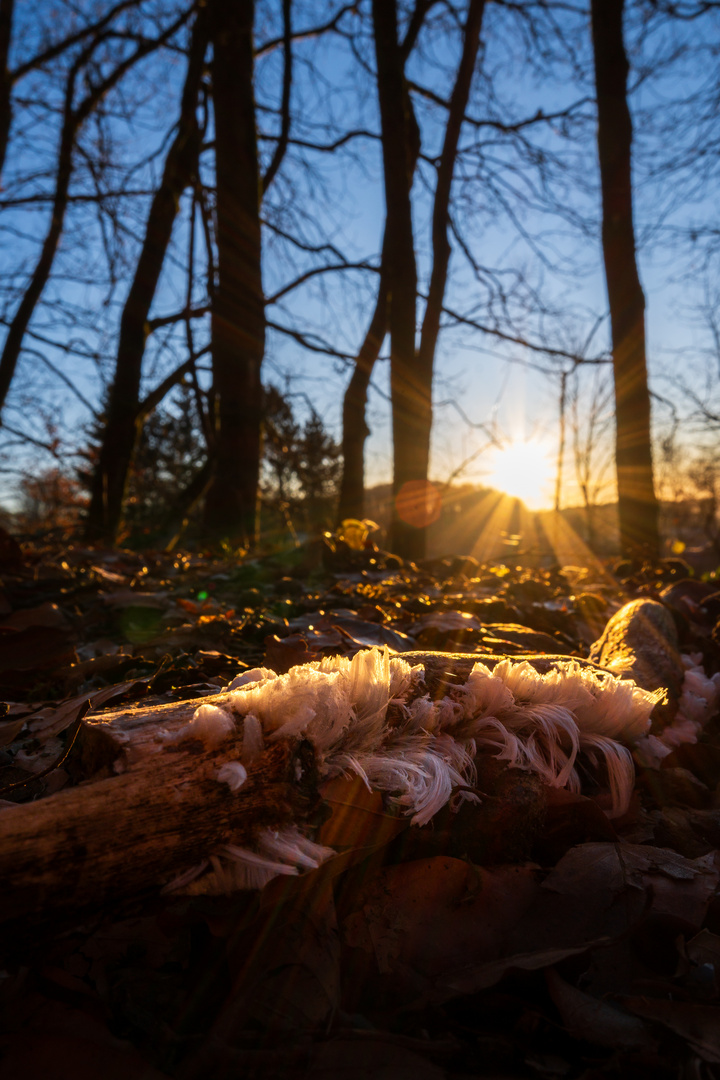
65 1057
11 556
448 621
356 1059
10 729
704 948
123 598
680 887
48 722
42 615
287 968
283 653
368 634
37 648
585 1017
358 820
699 1025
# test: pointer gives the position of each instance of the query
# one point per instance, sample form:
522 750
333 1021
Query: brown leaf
680 887
585 1017
10 729
37 648
288 968
699 1025
358 820
123 598
704 948
369 634
48 722
440 927
283 653
355 1059
42 615
65 1057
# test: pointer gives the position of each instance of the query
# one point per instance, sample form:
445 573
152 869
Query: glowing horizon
525 470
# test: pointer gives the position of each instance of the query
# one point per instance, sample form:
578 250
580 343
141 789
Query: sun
525 471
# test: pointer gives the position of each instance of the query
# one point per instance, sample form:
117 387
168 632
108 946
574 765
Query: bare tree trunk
411 371
561 441
637 504
41 273
354 424
124 417
73 119
408 407
6 17
440 226
238 317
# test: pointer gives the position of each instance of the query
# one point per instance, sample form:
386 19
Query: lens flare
418 503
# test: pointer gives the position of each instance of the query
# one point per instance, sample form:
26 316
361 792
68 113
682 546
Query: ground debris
524 935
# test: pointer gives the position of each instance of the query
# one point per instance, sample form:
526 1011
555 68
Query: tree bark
124 416
441 205
351 501
152 808
412 372
637 504
238 316
410 403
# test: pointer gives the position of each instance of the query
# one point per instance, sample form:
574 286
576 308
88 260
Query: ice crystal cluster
372 716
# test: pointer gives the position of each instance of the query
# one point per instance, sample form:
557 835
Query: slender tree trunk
410 405
124 416
561 441
238 317
18 326
73 119
441 205
354 424
351 503
440 226
637 504
411 372
6 17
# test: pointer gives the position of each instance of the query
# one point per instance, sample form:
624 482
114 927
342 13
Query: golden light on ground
524 470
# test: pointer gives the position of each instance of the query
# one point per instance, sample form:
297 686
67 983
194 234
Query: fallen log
160 811
151 804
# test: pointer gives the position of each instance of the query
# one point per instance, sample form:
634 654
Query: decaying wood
115 836
151 807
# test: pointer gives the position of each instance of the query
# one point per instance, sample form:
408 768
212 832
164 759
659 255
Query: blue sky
540 239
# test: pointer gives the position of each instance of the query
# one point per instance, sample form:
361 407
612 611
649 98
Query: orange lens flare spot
418 503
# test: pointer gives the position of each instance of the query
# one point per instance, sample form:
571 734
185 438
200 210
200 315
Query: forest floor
435 956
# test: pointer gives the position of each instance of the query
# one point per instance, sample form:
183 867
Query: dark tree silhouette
238 315
123 415
411 369
637 504
74 116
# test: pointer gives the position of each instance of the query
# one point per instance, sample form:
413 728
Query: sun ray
524 470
